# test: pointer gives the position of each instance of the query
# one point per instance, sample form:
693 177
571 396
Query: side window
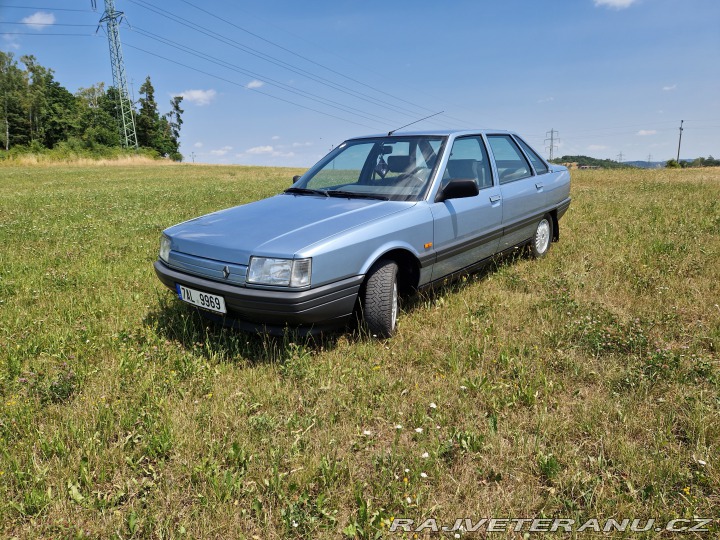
469 159
537 163
510 162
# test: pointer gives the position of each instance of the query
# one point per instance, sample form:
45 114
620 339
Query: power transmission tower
126 121
551 136
620 157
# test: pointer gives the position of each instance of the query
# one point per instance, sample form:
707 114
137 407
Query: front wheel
380 299
540 243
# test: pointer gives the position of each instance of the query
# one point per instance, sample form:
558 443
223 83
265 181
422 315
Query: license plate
211 302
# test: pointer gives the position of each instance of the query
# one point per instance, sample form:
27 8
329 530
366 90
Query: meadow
582 385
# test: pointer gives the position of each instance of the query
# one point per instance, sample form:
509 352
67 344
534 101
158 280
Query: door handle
539 185
494 198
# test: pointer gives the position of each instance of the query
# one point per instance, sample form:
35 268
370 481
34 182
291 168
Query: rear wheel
380 299
540 243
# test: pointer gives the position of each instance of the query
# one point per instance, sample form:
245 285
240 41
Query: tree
97 119
38 112
147 122
13 128
62 119
37 79
174 123
160 133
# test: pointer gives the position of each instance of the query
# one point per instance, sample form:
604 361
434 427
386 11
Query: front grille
208 268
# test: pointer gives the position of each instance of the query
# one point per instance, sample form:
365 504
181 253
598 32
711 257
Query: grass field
583 385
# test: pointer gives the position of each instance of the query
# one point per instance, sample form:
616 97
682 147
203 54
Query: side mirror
296 178
458 188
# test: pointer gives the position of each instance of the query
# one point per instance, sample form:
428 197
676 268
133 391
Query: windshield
387 168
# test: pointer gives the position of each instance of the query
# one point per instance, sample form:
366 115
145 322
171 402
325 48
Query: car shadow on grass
180 323
462 280
185 325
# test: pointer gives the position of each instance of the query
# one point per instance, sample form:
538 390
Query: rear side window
510 161
537 163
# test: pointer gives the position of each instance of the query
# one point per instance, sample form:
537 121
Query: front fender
353 252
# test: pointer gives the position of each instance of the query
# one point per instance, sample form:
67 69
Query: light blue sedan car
378 217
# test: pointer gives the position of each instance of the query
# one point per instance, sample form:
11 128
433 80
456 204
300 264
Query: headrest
462 168
398 164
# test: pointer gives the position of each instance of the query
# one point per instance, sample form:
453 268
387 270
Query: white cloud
254 84
10 42
597 147
275 137
546 100
224 150
615 4
198 144
645 132
198 97
38 20
270 151
260 150
299 144
669 88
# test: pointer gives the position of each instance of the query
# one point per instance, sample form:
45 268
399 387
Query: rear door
521 195
467 230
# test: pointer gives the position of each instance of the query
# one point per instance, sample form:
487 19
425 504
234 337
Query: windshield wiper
306 191
355 195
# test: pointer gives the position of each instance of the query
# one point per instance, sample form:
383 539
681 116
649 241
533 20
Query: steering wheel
413 177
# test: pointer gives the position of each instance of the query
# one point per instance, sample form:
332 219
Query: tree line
38 113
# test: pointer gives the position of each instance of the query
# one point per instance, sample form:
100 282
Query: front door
467 230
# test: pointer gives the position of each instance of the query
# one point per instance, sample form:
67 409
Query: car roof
436 133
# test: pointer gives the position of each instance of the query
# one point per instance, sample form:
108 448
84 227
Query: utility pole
679 141
551 136
620 157
126 121
192 154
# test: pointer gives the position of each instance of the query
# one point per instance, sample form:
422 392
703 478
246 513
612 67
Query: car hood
280 226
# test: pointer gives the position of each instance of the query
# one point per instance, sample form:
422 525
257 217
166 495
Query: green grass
583 385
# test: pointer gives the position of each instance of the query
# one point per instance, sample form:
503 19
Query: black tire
541 240
380 299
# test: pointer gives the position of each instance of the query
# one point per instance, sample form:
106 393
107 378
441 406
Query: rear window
537 162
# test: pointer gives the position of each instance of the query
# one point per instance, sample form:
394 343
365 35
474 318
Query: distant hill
585 161
646 164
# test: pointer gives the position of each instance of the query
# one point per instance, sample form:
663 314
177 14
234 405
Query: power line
43 34
46 8
46 24
463 122
243 86
679 141
264 79
301 56
273 60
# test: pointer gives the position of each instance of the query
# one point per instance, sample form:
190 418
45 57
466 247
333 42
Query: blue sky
280 82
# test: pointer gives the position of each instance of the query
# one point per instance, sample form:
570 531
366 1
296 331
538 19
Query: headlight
164 248
281 272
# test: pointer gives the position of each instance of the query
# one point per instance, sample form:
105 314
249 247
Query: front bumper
271 311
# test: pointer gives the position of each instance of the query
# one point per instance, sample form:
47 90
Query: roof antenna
415 122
